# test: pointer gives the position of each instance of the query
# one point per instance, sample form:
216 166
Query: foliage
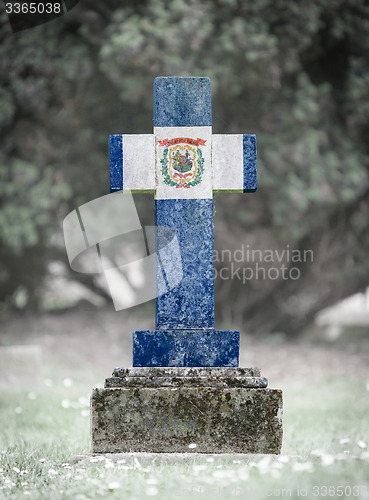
31 199
296 74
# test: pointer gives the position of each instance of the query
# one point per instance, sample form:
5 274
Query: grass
325 451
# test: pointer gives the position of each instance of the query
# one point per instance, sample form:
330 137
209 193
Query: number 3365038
33 8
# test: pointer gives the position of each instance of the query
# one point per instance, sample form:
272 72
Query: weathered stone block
188 377
175 371
132 417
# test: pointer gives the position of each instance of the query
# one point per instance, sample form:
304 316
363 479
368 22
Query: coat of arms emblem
182 163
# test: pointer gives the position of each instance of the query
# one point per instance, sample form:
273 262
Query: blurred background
294 73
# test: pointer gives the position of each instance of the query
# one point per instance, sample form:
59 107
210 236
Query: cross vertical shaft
178 103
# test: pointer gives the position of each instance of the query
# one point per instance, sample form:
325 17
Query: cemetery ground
44 425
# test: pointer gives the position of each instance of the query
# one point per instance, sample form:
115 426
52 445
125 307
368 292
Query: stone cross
183 163
185 390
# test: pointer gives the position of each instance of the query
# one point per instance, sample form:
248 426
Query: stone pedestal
164 409
195 347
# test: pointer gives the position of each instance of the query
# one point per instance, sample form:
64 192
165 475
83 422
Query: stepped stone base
165 410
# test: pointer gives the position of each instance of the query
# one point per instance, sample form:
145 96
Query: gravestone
185 387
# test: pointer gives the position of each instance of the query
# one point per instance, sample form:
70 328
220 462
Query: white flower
32 396
18 410
114 485
276 474
65 403
15 469
152 491
243 474
303 467
340 456
318 453
52 472
264 464
344 440
327 460
67 382
199 467
42 460
361 444
192 446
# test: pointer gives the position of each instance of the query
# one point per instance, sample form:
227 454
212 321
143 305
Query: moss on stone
218 420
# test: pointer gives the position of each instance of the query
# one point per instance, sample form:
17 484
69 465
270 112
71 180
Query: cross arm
229 152
132 162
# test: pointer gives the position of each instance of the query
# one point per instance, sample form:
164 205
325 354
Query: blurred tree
296 74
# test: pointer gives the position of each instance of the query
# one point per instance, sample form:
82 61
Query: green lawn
325 451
